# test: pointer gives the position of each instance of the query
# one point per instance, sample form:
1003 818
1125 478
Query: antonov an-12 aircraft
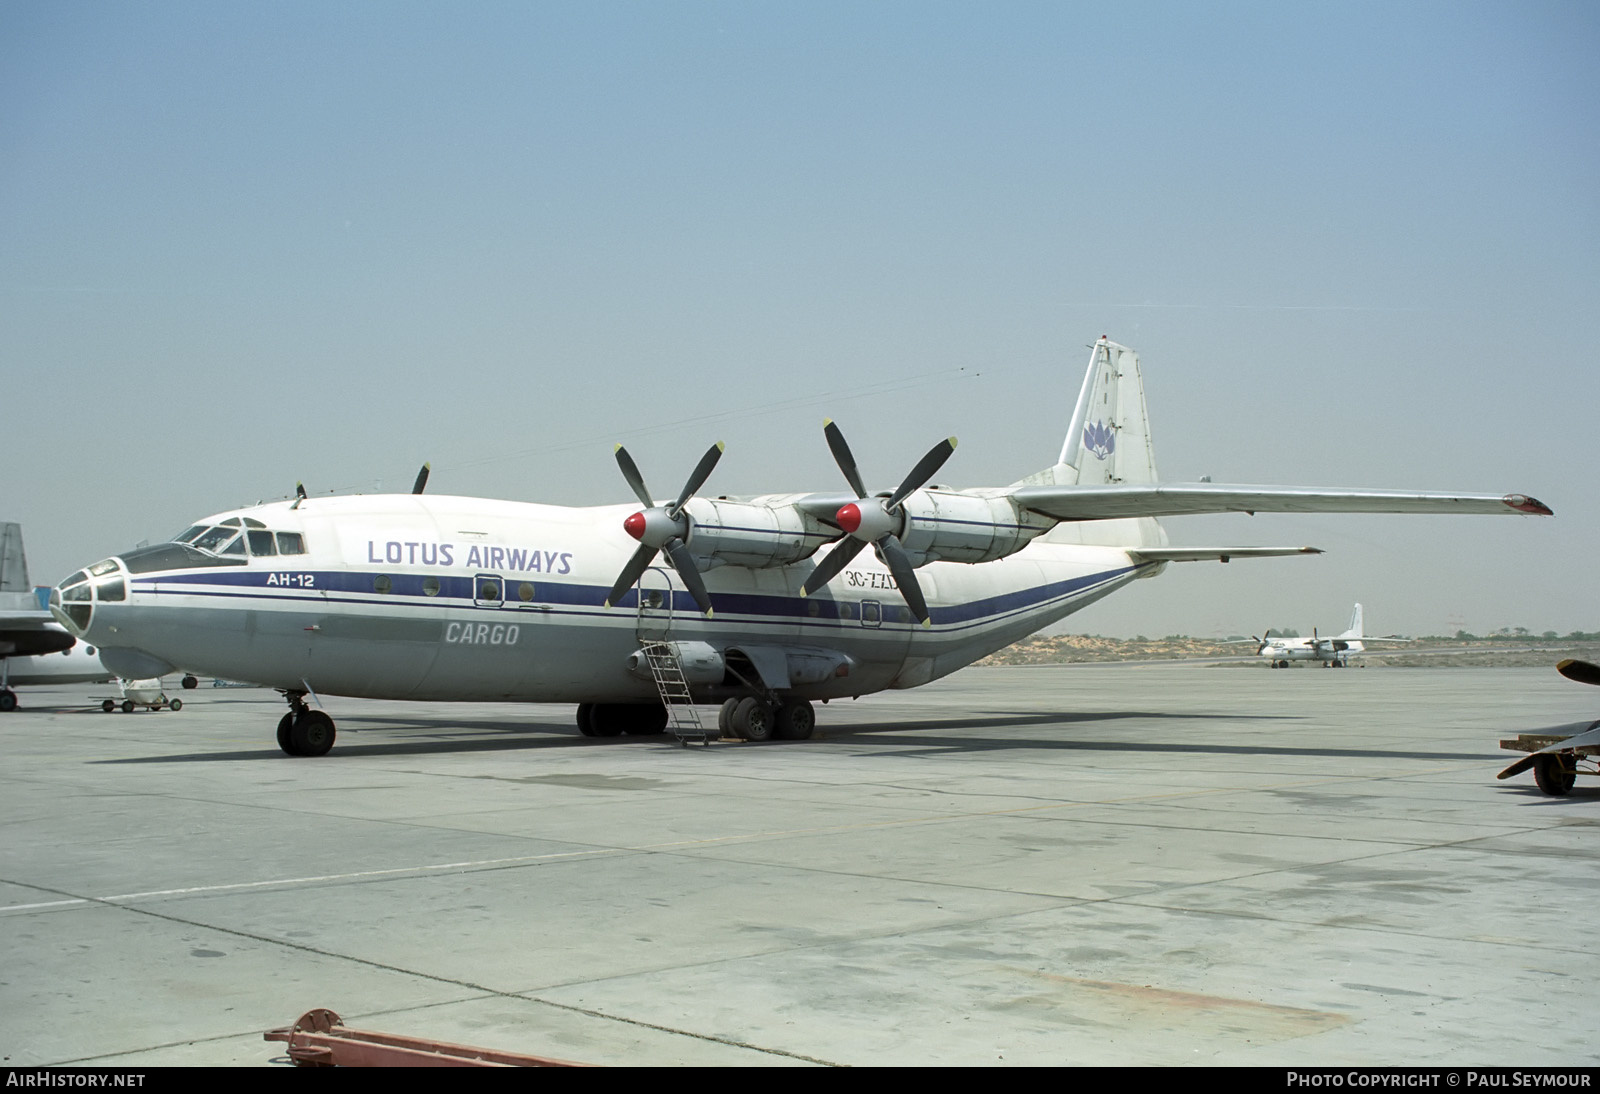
764 604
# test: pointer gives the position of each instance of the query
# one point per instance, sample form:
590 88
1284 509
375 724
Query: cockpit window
235 538
213 538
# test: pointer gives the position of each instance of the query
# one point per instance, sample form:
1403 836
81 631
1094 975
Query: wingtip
1522 503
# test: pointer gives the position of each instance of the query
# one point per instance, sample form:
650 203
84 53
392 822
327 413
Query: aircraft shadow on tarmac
927 736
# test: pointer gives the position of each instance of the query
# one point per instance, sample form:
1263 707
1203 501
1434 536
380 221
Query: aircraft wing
1113 502
26 633
1213 554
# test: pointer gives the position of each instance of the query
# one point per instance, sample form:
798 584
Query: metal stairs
683 720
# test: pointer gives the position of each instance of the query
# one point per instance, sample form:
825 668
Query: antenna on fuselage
299 494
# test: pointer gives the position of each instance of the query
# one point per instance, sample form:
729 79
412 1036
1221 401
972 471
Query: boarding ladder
667 670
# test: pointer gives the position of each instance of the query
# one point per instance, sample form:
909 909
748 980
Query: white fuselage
1307 649
446 598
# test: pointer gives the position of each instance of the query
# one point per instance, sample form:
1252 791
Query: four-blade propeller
663 528
878 521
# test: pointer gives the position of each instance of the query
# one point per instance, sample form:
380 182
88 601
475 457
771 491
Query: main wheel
796 720
608 719
1553 776
725 718
8 700
586 719
286 734
753 720
646 720
190 682
312 734
108 706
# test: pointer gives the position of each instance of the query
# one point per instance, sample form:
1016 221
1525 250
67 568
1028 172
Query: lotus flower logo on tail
1098 439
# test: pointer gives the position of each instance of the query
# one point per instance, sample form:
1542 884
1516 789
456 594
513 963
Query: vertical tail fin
1355 624
1108 442
13 562
1108 439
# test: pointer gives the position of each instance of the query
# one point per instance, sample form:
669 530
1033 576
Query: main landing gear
615 719
754 719
750 719
303 731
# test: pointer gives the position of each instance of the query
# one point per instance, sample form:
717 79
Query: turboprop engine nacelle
752 534
948 527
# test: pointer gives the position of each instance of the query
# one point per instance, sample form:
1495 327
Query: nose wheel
303 731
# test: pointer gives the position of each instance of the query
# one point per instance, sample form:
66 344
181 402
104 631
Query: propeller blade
422 479
701 473
842 457
683 562
905 576
630 471
630 574
926 468
1583 672
829 568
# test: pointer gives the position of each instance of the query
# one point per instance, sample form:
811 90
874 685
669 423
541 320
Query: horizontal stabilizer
1115 502
1213 554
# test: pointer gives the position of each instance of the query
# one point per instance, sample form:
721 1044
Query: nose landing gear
303 731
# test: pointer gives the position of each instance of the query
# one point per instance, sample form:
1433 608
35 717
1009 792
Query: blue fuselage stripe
458 592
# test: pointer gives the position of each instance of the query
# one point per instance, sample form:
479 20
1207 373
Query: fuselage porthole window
525 592
430 586
382 584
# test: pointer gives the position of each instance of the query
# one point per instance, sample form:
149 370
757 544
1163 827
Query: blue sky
1355 244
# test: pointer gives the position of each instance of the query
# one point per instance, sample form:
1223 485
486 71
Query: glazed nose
72 602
